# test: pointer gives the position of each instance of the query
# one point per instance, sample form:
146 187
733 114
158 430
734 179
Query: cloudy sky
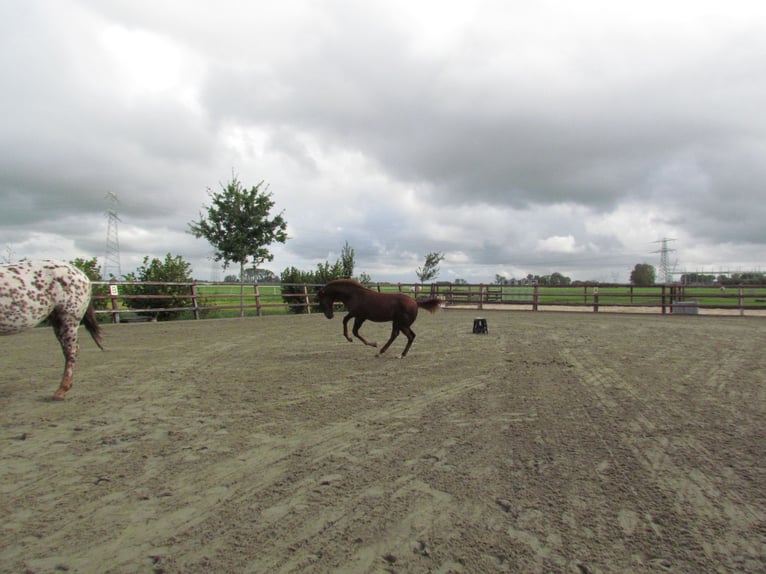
515 137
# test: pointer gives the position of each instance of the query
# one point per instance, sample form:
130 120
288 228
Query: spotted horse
32 291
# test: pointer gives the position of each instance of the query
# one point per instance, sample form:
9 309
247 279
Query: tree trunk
242 289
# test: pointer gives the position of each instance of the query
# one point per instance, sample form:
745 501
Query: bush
91 269
172 270
293 275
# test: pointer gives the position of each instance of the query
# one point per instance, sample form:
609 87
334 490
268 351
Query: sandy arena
559 442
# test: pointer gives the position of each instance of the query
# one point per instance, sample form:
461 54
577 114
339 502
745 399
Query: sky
514 137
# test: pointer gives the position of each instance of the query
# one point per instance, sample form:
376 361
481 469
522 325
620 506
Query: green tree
557 278
643 275
89 267
430 268
254 275
238 227
171 270
293 279
347 260
326 272
92 269
365 279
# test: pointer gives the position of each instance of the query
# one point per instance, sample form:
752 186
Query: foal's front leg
345 328
357 324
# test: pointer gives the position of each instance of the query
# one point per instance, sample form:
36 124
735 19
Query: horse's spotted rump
32 291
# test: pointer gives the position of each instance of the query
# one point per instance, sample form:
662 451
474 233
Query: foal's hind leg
410 334
66 333
394 335
357 324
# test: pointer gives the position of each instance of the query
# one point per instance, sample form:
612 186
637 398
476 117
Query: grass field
223 300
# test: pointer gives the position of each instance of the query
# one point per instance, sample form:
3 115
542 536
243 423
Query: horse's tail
430 305
91 324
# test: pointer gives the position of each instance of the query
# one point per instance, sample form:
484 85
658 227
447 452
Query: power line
112 258
666 272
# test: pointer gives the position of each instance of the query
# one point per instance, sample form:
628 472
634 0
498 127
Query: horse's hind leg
410 334
66 333
394 335
357 324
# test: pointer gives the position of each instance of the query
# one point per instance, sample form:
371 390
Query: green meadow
218 300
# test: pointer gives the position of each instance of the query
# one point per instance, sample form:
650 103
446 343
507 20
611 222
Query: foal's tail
91 324
430 305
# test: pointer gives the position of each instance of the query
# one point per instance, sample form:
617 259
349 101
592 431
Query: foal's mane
349 282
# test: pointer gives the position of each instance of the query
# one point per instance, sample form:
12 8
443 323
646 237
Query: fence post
194 300
535 297
257 290
306 298
741 301
481 296
595 299
663 300
113 293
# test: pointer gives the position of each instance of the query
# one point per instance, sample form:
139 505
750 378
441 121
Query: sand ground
558 442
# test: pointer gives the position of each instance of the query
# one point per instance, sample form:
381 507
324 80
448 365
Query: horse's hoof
58 397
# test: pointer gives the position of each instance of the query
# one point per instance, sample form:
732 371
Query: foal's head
325 303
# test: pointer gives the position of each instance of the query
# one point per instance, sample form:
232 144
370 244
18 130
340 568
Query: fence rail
120 300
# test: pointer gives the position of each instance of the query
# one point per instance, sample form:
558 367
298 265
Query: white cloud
516 138
558 244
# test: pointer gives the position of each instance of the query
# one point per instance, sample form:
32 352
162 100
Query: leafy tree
172 270
326 272
254 275
750 278
365 279
347 260
430 268
292 278
557 278
238 227
697 278
643 275
91 268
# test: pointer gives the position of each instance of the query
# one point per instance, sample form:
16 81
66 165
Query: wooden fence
199 298
199 302
664 299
